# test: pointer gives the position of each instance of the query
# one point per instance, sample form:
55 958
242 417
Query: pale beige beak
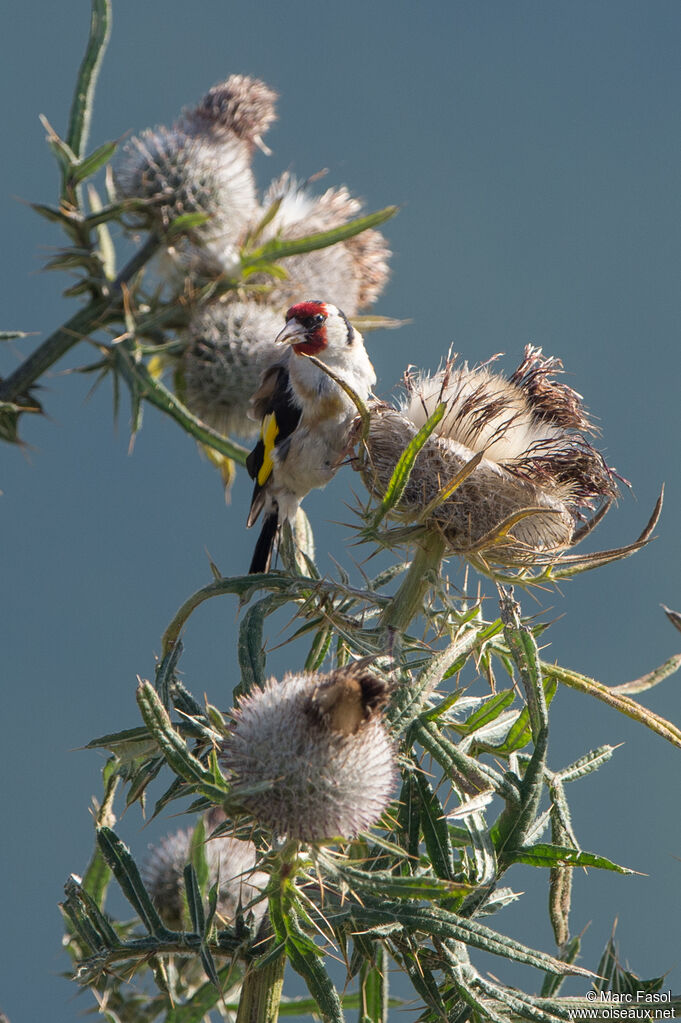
292 332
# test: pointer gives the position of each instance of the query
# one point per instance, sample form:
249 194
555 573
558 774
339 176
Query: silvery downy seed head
228 347
227 858
530 431
351 274
318 745
201 165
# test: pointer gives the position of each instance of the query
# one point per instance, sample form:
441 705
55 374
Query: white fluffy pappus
530 430
350 274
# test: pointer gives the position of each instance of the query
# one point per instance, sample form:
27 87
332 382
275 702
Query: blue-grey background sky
535 151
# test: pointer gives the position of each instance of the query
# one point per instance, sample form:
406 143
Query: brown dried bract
527 475
348 697
241 105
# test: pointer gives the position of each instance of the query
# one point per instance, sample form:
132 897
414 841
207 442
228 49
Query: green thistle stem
83 98
264 981
261 992
423 572
138 377
84 323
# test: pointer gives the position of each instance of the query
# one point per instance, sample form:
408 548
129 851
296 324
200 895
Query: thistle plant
211 240
370 806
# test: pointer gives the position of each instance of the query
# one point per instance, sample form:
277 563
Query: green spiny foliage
412 891
476 794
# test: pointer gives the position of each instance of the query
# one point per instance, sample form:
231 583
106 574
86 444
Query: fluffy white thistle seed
530 430
350 274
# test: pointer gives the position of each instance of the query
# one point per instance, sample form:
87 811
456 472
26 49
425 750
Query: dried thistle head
241 106
229 860
176 174
172 172
351 274
228 347
538 476
319 746
229 344
202 165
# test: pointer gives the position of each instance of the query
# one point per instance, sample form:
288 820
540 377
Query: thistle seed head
370 255
229 859
351 274
530 430
320 745
241 106
175 174
168 170
229 346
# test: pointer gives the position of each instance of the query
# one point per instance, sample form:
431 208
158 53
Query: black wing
280 414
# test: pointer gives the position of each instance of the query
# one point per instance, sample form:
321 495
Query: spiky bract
176 173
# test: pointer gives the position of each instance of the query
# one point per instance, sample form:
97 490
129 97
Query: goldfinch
305 416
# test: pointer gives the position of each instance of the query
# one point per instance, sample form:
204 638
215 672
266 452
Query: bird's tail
262 555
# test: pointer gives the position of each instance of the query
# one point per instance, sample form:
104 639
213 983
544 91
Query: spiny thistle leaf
83 97
194 900
435 830
666 729
442 924
545 855
304 958
651 678
281 248
129 745
127 875
251 645
12 335
585 765
673 616
490 711
172 745
520 732
102 934
91 164
373 991
419 886
405 463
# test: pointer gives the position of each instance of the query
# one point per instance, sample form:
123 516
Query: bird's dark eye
313 321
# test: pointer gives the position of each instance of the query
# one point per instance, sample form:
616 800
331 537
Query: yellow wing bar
269 433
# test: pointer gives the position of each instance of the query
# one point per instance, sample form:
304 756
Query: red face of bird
311 327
